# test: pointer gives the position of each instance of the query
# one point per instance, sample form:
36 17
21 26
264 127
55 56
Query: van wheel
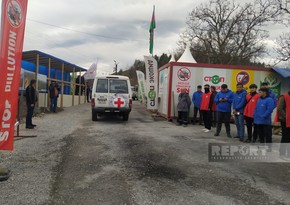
94 116
125 117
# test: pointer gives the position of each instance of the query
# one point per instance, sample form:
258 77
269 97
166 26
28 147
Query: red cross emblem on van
119 102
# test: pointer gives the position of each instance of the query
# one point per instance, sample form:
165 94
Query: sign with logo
183 77
215 77
152 82
184 74
12 35
244 77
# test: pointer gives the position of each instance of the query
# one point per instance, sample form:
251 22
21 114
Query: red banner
12 35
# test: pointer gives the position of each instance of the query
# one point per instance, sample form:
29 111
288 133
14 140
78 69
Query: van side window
102 86
118 86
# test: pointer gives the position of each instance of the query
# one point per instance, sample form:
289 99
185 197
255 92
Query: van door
119 93
102 93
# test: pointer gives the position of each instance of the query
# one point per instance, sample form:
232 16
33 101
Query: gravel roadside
33 160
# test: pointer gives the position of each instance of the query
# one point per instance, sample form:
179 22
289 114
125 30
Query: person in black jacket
30 102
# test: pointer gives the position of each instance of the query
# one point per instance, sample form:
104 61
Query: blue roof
56 63
284 72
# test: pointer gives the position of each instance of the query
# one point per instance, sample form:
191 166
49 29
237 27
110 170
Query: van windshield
118 86
102 86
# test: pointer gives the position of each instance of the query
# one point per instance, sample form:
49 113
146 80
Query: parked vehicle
111 94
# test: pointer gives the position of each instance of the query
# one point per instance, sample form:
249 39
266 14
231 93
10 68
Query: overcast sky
116 29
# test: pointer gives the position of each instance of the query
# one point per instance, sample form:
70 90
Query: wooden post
49 82
36 79
80 87
74 86
62 85
67 81
85 98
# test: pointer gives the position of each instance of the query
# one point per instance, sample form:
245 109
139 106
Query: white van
111 94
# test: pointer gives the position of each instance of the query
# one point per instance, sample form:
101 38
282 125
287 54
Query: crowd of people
253 109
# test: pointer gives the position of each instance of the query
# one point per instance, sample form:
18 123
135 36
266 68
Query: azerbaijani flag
151 31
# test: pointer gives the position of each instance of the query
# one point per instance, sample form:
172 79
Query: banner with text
151 82
12 35
141 83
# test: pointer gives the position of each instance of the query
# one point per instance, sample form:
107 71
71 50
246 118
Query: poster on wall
162 77
215 77
183 77
246 77
163 92
273 80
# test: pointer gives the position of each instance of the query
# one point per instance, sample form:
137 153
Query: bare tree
283 48
224 32
283 42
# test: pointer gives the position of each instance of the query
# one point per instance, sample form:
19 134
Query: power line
86 33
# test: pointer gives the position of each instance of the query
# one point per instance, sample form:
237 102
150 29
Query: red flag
12 35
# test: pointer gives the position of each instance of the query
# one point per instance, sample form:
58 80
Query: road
143 161
76 161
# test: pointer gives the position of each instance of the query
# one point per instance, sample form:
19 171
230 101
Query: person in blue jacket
238 110
262 116
271 93
196 100
224 100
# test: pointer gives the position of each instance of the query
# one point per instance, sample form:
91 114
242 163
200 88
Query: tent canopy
186 56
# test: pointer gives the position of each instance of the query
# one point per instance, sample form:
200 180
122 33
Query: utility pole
116 67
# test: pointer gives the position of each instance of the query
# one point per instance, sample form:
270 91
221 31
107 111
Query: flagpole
151 31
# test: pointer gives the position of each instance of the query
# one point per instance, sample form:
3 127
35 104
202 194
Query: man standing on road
183 107
251 102
205 108
196 100
271 93
284 117
238 110
224 100
53 94
262 116
213 106
30 102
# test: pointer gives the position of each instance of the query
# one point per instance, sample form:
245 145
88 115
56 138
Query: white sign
163 74
214 76
183 77
152 82
141 83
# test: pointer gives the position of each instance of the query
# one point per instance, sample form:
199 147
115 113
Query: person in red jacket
205 108
251 102
213 106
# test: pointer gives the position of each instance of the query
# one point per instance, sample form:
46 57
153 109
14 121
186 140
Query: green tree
163 59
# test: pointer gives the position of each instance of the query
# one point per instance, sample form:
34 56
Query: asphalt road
143 161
